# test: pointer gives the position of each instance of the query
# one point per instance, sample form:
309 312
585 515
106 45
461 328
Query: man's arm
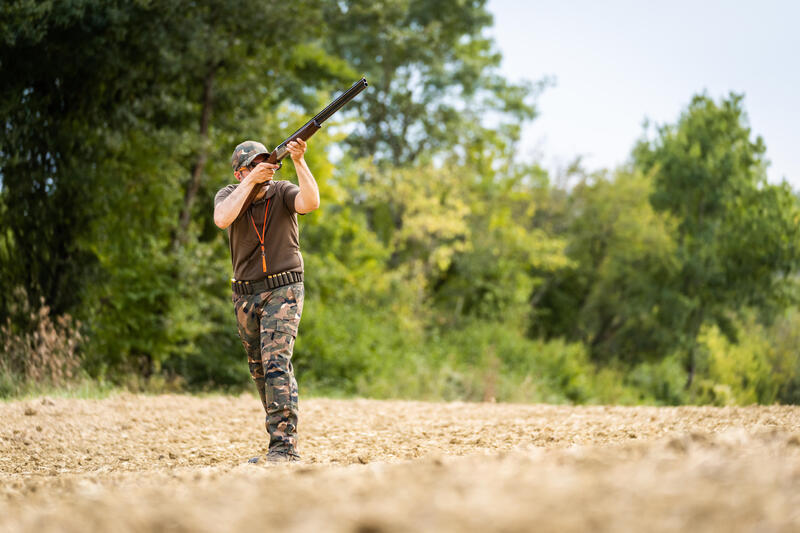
231 207
307 199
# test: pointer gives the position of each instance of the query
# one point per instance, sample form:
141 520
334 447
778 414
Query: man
261 217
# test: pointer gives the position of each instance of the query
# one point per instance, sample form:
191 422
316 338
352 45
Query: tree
737 240
610 295
117 135
107 140
434 75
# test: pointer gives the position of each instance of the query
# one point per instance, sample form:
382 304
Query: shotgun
312 126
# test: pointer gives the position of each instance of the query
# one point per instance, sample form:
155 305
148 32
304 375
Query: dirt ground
178 463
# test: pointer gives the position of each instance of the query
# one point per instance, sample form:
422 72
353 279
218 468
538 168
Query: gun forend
312 126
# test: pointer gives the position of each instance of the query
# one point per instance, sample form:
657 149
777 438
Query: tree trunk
690 367
694 328
198 168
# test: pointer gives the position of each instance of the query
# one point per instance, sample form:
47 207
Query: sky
616 63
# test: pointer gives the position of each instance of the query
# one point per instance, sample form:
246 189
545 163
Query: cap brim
250 159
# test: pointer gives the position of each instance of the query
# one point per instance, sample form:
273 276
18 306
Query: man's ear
237 175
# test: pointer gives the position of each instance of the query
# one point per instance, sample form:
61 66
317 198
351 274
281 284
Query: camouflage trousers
268 327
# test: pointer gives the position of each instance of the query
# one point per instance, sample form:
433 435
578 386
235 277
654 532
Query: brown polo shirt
281 240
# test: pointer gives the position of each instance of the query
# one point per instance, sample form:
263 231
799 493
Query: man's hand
262 173
297 148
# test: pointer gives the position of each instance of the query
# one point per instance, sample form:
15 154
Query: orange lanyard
261 235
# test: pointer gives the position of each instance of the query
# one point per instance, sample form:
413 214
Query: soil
179 463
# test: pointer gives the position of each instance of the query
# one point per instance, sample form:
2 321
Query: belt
272 281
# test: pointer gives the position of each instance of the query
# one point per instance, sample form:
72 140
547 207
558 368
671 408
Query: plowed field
178 463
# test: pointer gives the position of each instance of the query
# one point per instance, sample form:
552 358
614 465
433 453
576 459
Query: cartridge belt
272 281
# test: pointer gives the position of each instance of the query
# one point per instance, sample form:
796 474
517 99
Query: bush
662 382
348 350
740 373
42 351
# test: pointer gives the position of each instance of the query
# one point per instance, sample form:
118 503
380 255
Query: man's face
243 172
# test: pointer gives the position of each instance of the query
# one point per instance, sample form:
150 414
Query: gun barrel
312 126
339 103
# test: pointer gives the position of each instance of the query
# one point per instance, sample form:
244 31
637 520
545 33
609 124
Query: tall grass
38 350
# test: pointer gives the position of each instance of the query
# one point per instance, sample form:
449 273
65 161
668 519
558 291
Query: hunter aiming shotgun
261 215
313 126
308 129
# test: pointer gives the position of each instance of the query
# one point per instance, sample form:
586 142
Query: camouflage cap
244 154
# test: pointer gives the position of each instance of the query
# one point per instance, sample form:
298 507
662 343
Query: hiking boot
282 456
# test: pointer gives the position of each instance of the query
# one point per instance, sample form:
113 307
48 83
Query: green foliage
691 239
609 296
737 373
662 382
101 153
737 236
437 75
438 266
762 367
784 335
365 354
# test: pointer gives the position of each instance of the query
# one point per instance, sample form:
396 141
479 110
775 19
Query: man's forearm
308 198
231 207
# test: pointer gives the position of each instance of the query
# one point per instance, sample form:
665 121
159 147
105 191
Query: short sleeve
290 192
223 193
